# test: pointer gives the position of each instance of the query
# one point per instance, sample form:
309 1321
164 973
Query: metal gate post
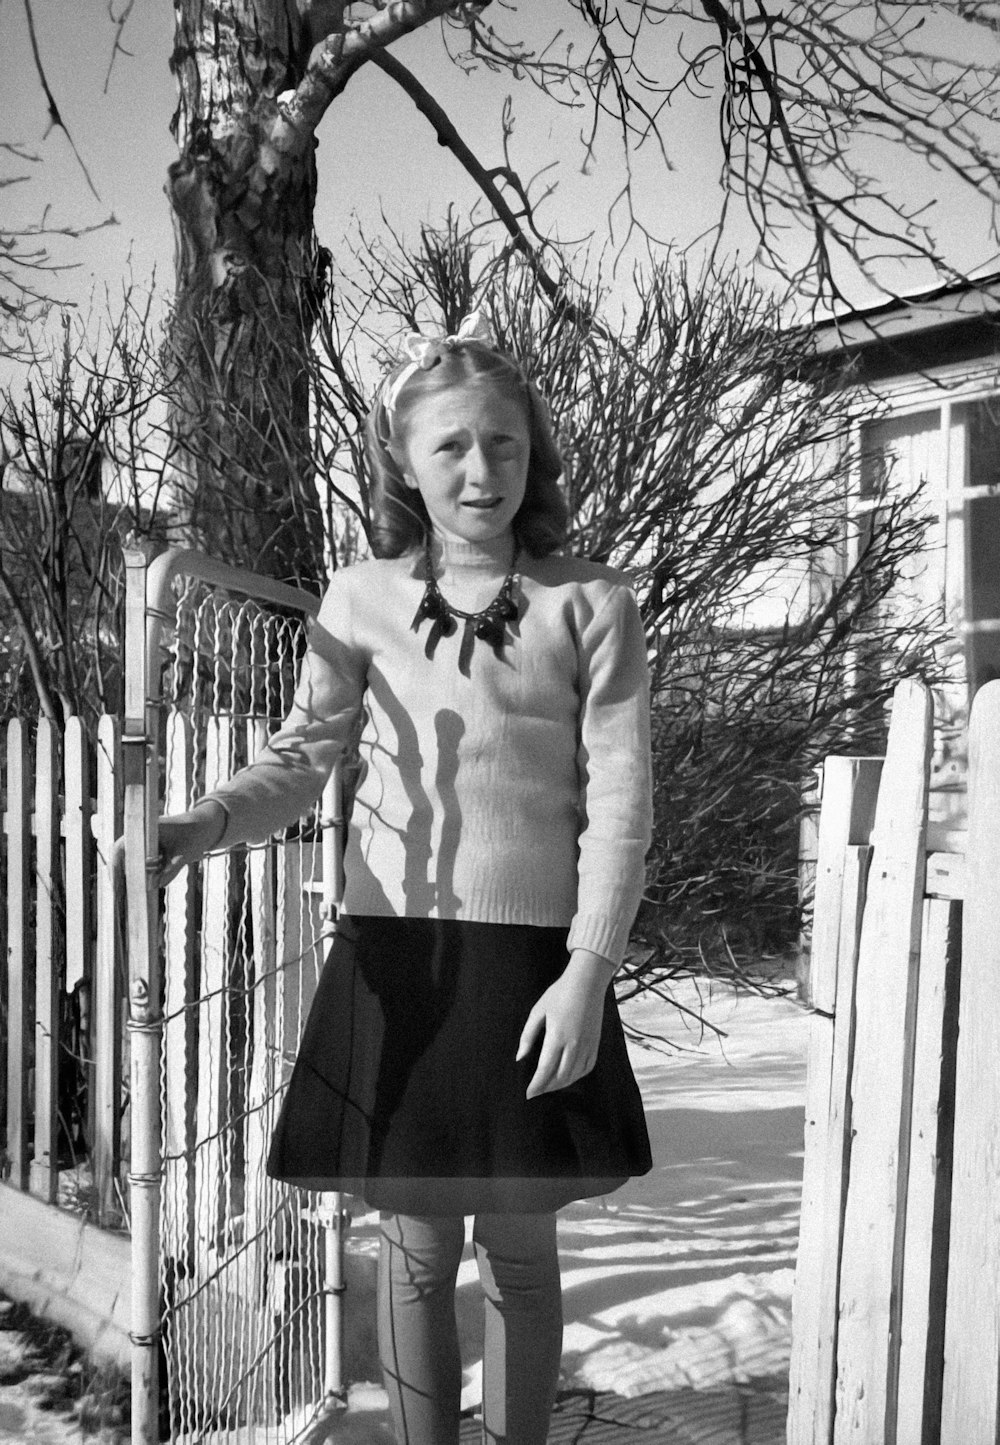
333 1218
145 1020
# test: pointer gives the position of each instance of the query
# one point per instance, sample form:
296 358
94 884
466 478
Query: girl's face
466 451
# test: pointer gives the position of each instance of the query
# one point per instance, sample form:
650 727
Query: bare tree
82 456
824 110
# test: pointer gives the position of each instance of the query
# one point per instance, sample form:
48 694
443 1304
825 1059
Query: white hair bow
423 351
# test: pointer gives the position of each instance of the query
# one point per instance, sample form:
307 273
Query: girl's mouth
484 506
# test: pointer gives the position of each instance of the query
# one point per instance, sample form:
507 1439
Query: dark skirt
406 1089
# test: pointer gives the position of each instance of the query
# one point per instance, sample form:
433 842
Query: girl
463 1054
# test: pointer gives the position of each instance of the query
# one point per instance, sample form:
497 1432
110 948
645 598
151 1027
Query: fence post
107 1033
881 1091
76 830
20 1017
44 1176
333 1217
971 1394
145 1017
928 1199
849 793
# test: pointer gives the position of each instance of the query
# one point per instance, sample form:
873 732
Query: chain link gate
237 1280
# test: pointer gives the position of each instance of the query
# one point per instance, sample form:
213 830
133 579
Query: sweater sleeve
289 774
615 776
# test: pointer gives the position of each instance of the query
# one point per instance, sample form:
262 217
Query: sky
377 155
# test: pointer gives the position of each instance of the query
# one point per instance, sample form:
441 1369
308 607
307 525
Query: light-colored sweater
520 793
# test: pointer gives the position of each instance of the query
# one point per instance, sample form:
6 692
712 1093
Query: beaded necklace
489 624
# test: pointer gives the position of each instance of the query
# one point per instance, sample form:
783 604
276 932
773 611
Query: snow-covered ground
683 1278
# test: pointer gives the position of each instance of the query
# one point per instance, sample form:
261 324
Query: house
926 373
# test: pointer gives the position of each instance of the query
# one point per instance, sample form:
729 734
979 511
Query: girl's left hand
568 1017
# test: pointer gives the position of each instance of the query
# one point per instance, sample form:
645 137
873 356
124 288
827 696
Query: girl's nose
477 467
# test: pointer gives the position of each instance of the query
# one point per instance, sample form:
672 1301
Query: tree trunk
249 274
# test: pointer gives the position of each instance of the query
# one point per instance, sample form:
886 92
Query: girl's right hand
186 837
183 839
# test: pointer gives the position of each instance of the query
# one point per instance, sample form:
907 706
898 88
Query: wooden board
69 1272
929 1182
20 1003
945 875
106 1075
44 1175
971 1407
850 789
885 993
77 835
847 815
836 1172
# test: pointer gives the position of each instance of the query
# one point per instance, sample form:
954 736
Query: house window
980 422
954 450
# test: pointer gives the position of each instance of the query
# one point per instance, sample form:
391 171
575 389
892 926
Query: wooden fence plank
885 991
20 1003
44 1175
210 1157
971 1407
929 1185
108 977
838 1138
850 789
77 835
945 875
179 1024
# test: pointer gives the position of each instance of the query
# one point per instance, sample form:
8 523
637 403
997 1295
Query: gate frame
147 616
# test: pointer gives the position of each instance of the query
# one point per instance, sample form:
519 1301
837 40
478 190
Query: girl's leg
418 1337
519 1270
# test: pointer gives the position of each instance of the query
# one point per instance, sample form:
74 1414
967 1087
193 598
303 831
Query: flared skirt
406 1089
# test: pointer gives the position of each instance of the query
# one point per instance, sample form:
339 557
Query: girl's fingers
168 871
565 1072
529 1034
555 1071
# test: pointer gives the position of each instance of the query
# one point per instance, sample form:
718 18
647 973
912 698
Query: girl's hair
399 517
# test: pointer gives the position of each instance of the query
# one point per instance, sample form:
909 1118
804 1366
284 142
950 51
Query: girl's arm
616 807
289 773
615 773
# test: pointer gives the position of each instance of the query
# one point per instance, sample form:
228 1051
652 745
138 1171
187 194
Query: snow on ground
684 1277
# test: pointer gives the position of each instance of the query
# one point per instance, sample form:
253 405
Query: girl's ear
398 454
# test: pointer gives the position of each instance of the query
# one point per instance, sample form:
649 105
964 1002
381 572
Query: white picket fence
63 1100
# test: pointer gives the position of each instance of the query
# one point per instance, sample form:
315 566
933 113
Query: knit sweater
519 793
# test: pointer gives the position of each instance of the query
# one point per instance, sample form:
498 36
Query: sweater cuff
227 840
599 934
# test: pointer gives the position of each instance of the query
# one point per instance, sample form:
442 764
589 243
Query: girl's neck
451 554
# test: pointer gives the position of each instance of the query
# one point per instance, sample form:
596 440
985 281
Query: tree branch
341 54
54 115
31 651
448 136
